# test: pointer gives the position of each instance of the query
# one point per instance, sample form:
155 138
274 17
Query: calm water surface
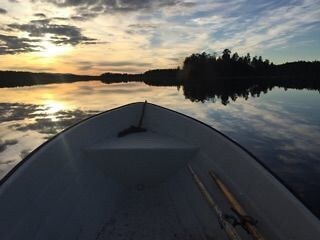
282 128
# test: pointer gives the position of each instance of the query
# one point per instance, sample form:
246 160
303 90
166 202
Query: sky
96 36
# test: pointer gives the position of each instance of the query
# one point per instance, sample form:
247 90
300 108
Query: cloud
120 5
60 33
253 27
188 4
41 15
3 11
142 25
125 69
141 28
114 66
83 16
29 68
14 45
123 63
91 8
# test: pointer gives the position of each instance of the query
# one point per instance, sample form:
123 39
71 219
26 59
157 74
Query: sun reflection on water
53 106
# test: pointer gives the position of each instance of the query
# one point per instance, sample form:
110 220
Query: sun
50 50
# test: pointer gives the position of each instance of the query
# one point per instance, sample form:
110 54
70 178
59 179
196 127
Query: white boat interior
89 183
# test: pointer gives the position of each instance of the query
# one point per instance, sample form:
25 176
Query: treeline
20 79
156 77
230 76
120 77
211 67
162 77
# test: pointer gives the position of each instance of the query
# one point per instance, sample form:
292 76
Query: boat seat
144 158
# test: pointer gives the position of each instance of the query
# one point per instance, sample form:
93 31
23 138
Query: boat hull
68 188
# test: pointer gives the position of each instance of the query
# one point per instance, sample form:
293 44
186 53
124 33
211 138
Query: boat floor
153 213
145 214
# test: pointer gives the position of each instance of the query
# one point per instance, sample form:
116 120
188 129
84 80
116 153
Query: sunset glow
92 37
49 50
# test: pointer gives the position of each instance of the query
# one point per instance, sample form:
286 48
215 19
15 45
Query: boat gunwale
282 182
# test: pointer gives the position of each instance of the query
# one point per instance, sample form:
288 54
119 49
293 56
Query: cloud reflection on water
5 143
285 141
31 125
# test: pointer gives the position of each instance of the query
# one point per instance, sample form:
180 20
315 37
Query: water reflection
229 90
53 106
280 127
25 126
5 143
53 124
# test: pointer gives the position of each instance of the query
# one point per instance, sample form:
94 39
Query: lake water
282 128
